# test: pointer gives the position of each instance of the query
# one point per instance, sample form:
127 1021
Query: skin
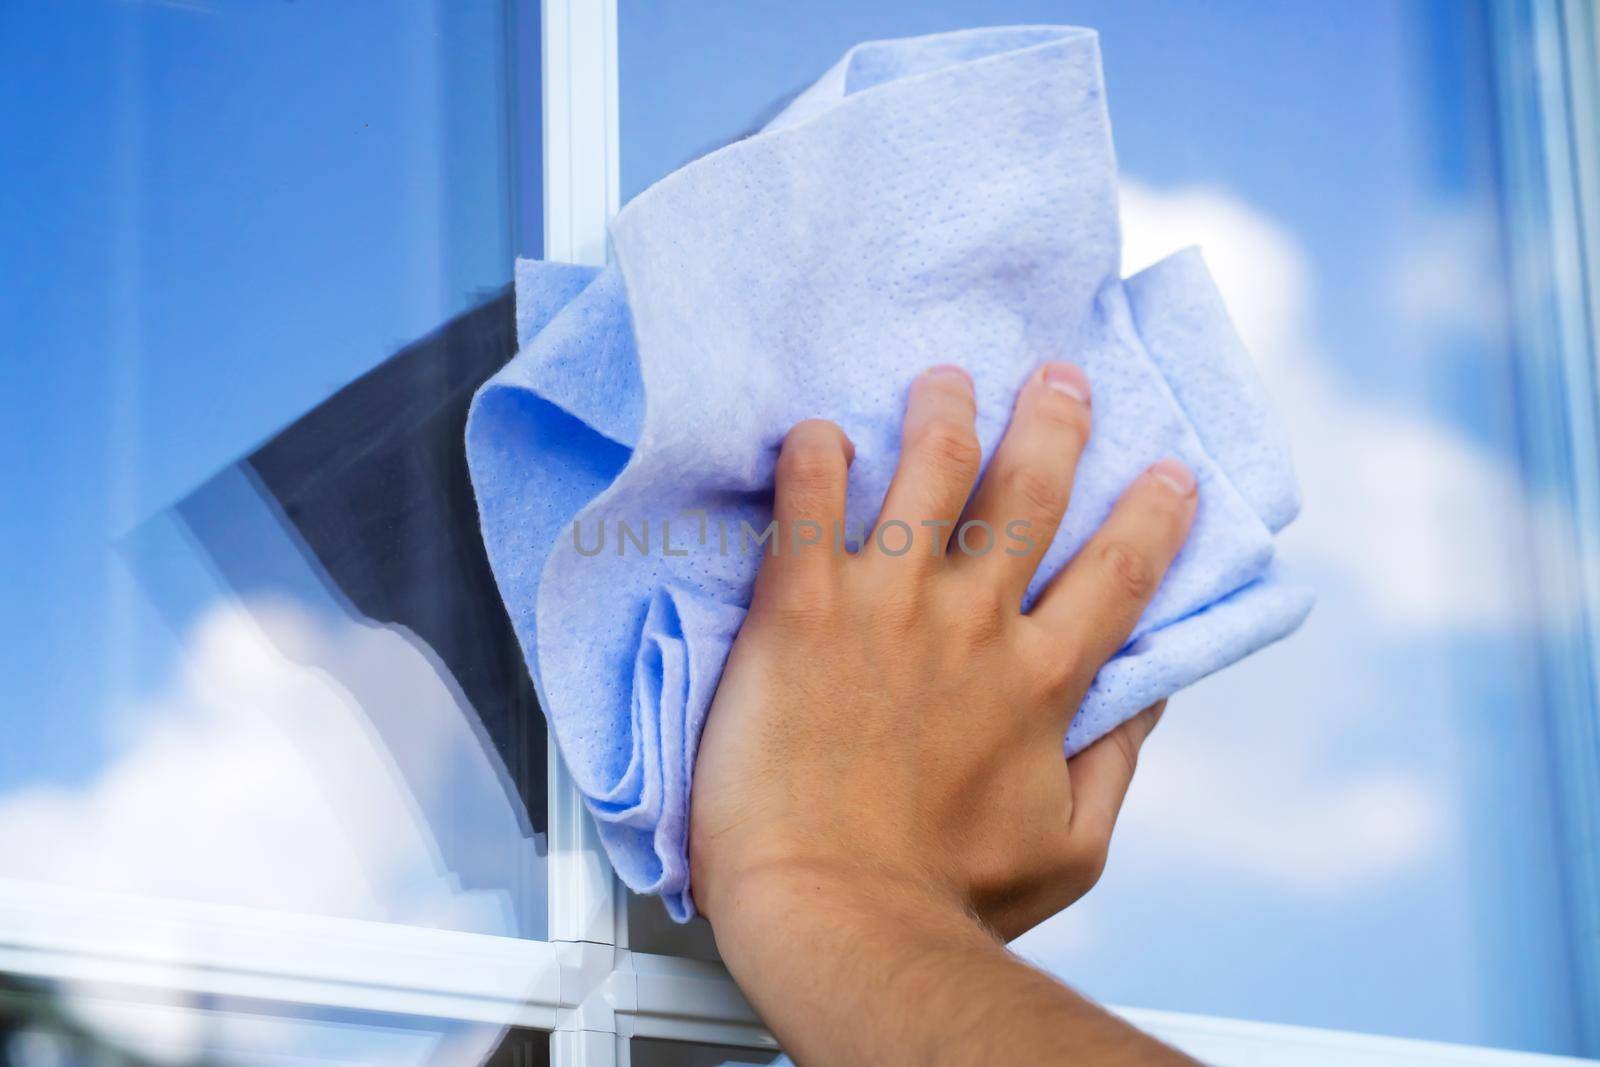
881 800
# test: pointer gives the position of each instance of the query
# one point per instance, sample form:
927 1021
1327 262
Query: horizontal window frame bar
109 940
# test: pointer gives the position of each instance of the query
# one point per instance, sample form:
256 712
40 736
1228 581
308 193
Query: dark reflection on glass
351 540
650 929
71 1024
650 1053
522 1048
375 482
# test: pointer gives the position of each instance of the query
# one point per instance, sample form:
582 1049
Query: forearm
850 967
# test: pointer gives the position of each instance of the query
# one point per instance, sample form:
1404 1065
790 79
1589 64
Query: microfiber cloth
943 199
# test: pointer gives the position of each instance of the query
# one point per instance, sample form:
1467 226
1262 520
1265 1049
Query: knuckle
900 611
950 443
1036 490
1058 671
803 606
1133 574
984 615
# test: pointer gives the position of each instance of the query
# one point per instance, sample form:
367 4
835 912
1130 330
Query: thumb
1102 772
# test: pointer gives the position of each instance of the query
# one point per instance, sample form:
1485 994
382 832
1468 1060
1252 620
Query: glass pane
649 1053
1353 829
45 1025
651 929
254 653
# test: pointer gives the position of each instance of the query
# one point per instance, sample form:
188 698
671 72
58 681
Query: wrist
804 937
762 897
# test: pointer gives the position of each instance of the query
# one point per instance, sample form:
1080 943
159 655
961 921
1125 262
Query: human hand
895 722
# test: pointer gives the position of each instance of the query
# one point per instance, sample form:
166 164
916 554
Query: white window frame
593 998
584 985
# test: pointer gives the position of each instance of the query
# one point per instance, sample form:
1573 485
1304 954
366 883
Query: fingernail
952 370
1174 475
1068 378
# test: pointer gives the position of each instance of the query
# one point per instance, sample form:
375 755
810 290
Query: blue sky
220 212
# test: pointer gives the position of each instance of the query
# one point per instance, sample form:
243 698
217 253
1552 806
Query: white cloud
1253 789
254 779
1259 266
1439 281
1271 806
1420 520
258 777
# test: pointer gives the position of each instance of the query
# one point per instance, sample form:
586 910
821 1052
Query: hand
893 722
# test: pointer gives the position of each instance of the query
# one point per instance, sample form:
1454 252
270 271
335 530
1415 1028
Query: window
276 788
1365 820
263 732
246 617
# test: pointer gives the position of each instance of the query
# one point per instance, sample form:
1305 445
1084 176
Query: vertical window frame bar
581 189
1546 81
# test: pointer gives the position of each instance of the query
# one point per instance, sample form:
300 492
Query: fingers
939 460
1026 488
1102 773
1098 597
808 501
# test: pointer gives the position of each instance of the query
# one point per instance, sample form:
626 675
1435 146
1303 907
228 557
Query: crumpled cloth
942 199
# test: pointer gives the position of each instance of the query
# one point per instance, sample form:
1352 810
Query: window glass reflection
254 651
49 1025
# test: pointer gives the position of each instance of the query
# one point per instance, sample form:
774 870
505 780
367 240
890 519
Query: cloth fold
938 199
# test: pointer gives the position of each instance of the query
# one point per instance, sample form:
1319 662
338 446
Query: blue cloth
940 199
